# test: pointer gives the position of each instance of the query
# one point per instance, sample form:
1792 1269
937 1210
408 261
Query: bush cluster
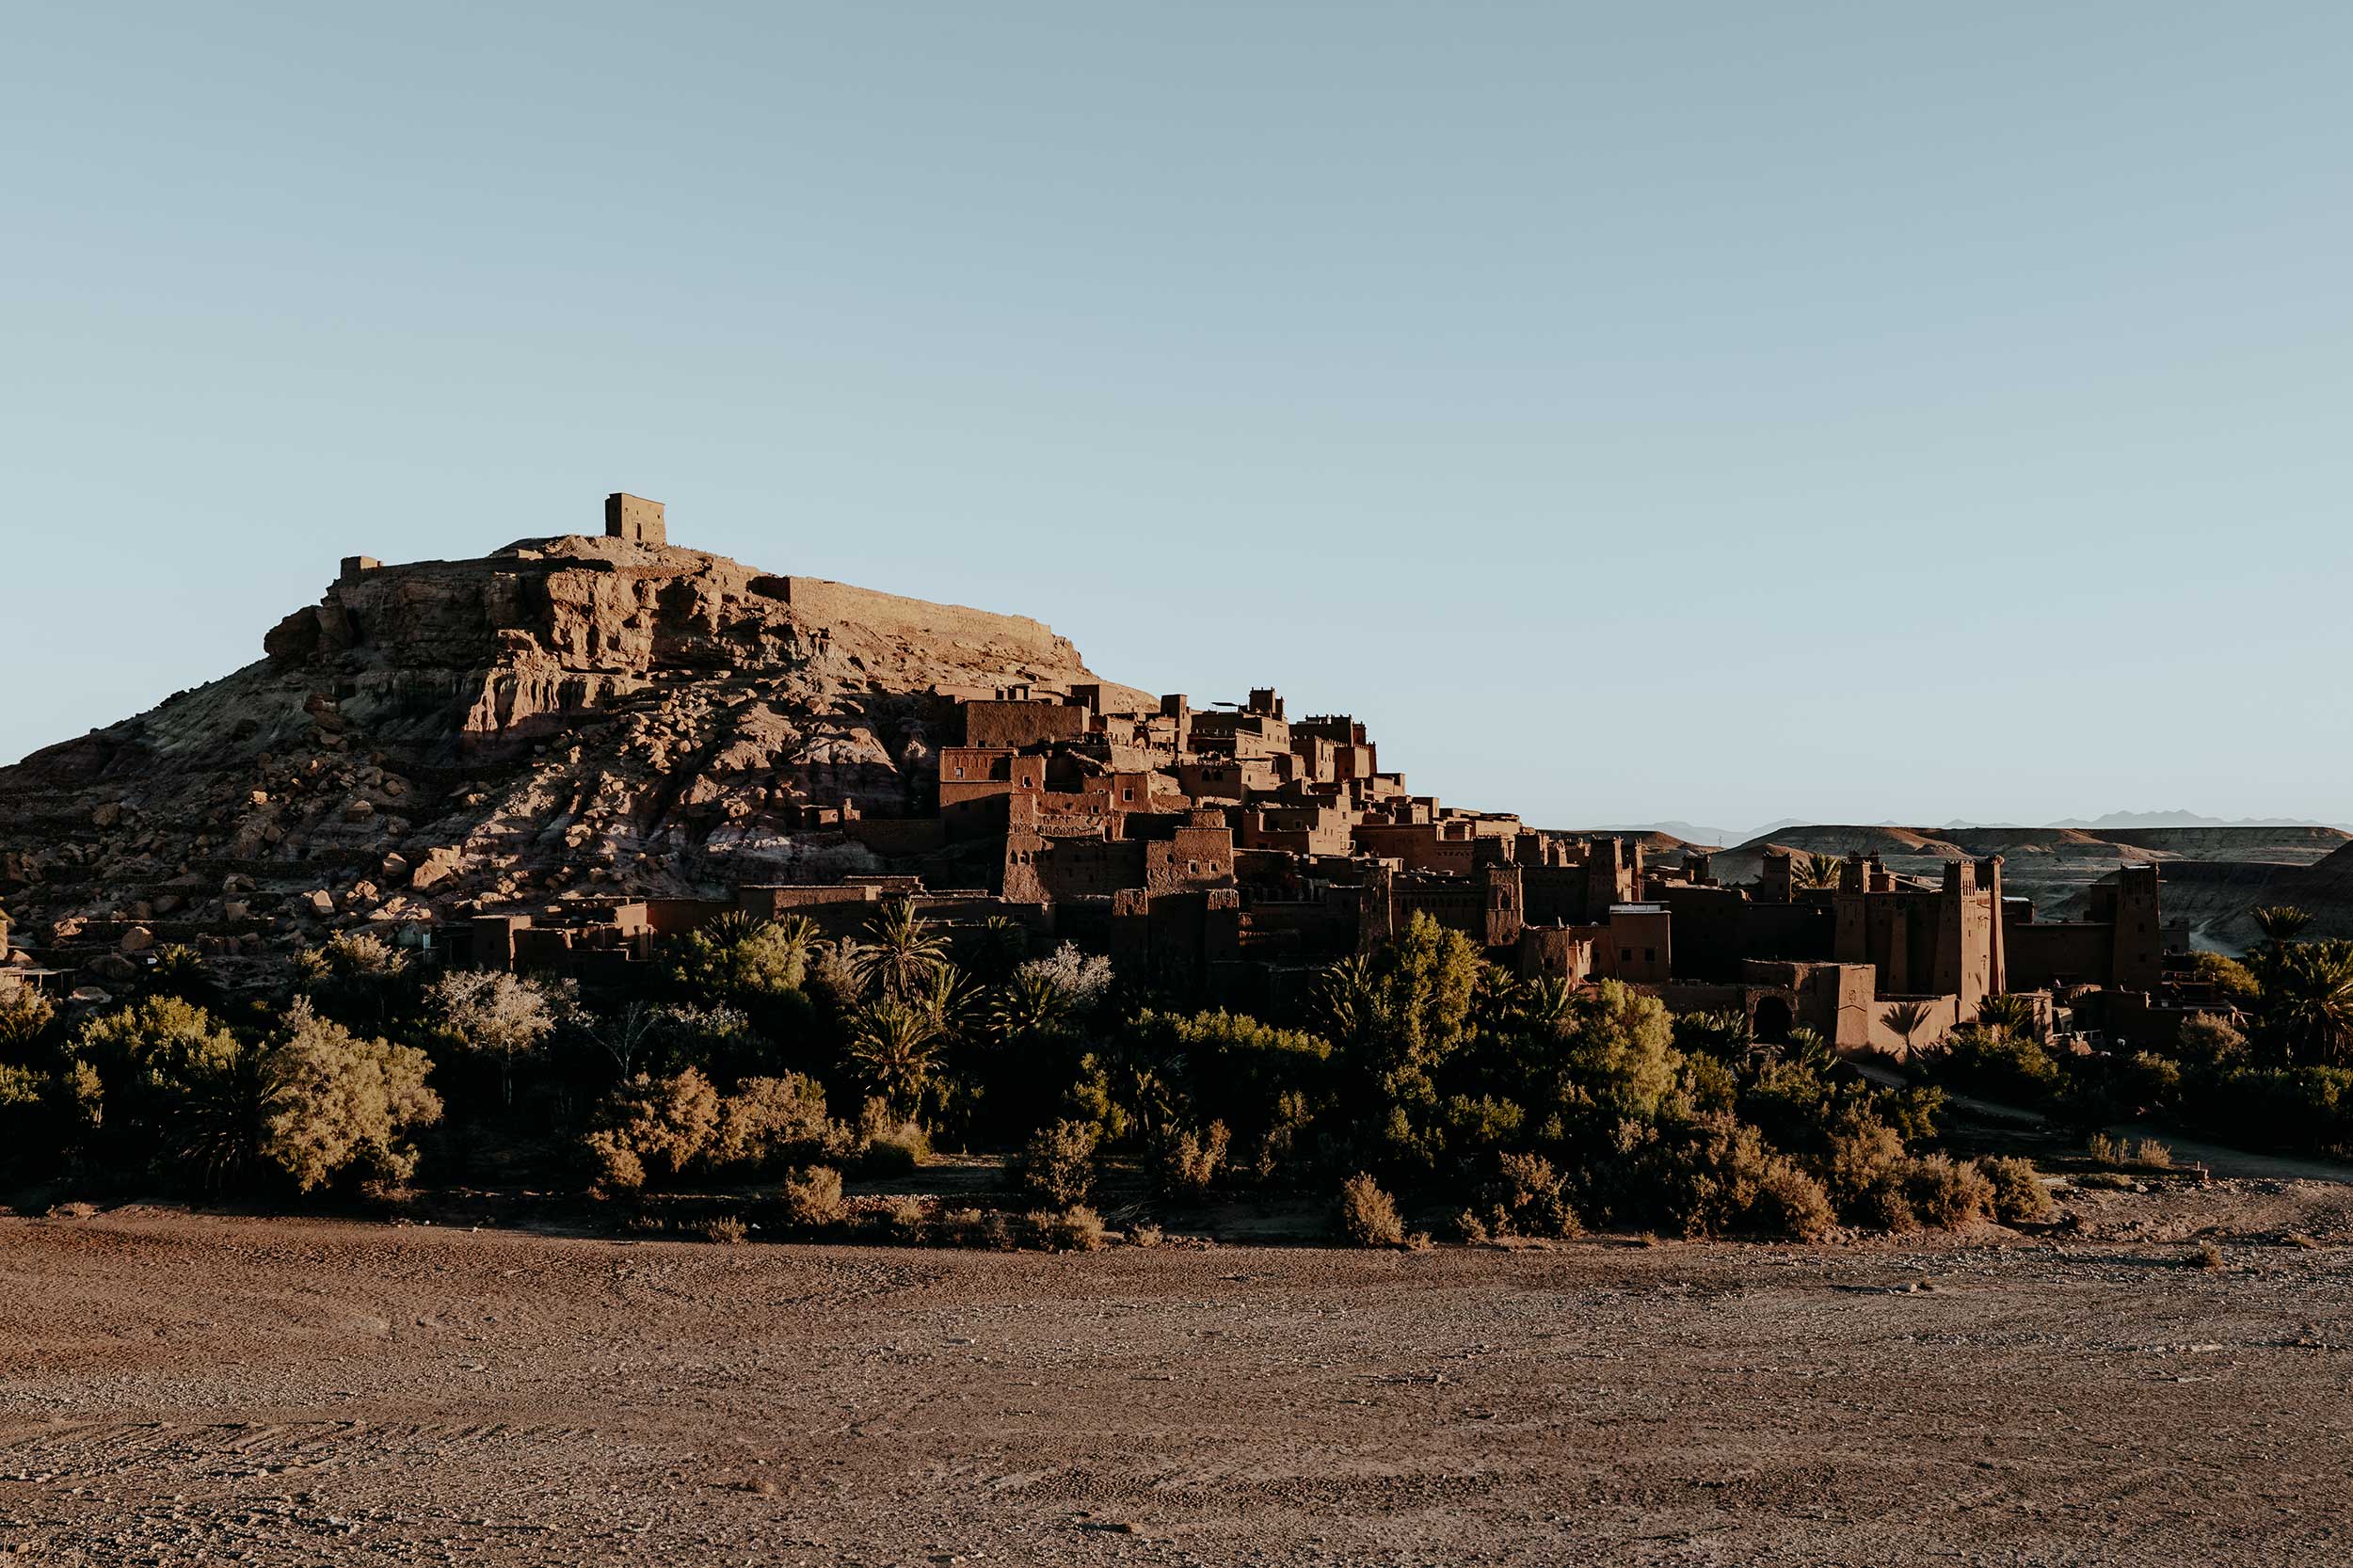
1415 1077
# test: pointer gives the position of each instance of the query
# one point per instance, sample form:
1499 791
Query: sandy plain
180 1387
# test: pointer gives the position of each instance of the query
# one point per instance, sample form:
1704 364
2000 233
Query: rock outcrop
565 716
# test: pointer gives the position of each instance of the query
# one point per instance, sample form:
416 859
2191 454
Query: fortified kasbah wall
824 602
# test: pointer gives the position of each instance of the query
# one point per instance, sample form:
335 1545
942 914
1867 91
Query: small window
1650 955
1626 955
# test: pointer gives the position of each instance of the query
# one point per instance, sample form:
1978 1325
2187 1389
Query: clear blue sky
1846 412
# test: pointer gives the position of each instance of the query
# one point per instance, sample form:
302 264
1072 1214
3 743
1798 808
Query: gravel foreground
185 1388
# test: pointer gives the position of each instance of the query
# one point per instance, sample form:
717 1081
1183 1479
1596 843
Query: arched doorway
1771 1022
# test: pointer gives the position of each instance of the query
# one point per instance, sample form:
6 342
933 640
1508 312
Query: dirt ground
179 1387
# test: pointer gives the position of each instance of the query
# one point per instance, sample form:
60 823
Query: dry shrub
2019 1195
1884 1205
2148 1151
1710 1178
768 1120
727 1230
1185 1163
1470 1228
1946 1193
889 1143
1861 1162
653 1128
25 1015
1527 1197
1368 1216
812 1198
1790 1203
2107 1150
905 1217
1144 1233
1058 1164
2209 1257
1076 1228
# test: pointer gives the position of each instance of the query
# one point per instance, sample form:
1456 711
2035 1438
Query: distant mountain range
2175 819
1701 833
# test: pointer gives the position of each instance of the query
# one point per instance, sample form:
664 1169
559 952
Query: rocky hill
562 715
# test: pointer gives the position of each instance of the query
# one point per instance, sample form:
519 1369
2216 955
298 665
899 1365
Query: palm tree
1906 1018
949 999
732 926
2006 1015
1030 1007
2309 998
897 1047
1816 870
994 949
2281 923
1352 997
902 952
1548 1002
1722 1034
1808 1046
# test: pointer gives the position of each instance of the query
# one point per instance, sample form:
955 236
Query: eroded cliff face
566 716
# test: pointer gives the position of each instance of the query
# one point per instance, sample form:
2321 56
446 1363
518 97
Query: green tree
356 975
310 1102
335 1105
737 957
1410 1000
2232 982
1618 1051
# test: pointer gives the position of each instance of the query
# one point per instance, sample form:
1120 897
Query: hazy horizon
1815 413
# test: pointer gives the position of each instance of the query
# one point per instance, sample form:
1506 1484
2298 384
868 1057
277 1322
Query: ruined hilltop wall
820 602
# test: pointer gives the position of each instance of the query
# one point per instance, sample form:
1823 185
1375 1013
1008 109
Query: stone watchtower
634 518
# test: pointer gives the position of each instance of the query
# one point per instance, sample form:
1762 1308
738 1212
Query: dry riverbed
179 1388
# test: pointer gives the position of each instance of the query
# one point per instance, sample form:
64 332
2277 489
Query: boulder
438 865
